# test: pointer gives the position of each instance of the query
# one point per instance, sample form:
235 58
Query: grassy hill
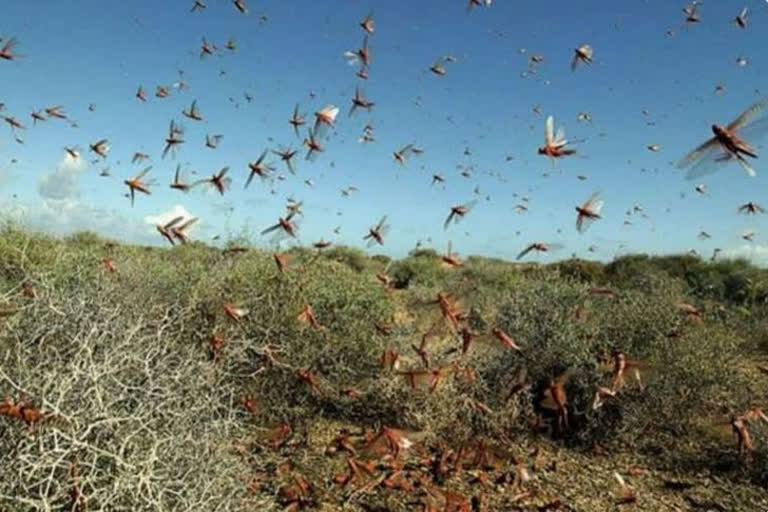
198 379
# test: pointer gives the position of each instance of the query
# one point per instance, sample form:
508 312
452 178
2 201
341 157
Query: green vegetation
167 403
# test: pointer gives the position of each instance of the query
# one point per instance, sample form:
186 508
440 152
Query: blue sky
100 52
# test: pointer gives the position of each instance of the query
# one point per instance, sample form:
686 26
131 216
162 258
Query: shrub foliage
143 374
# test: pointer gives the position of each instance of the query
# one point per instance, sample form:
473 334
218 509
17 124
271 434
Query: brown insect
233 312
9 409
588 212
297 120
324 119
739 424
384 278
285 224
389 442
741 19
109 265
215 345
199 5
691 16
6 51
505 339
450 309
14 123
29 291
79 502
193 112
429 377
136 183
693 313
377 233
140 94
390 357
37 116
402 154
621 365
249 403
438 500
165 229
743 438
556 398
313 144
421 349
24 410
235 249
397 480
554 145
259 168
178 183
364 53
478 3
321 244
212 141
602 292
458 212
727 144
467 338
174 139
297 496
751 208
367 24
219 180
139 157
281 260
355 470
360 101
438 68
241 6
74 153
307 316
207 48
450 259
286 155
539 247
582 54
180 232
100 147
162 91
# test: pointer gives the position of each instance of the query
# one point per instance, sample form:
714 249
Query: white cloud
64 216
67 163
64 182
59 185
757 254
